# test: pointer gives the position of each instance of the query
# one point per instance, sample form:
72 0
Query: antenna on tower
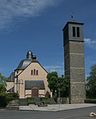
72 17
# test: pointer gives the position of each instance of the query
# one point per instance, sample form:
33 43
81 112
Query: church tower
74 60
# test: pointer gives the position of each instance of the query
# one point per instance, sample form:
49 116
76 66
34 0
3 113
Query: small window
36 72
78 32
73 28
31 72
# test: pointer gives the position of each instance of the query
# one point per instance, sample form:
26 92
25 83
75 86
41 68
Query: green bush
90 101
3 101
5 98
23 102
48 100
31 101
11 96
40 100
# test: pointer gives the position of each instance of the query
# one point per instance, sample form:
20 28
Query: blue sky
37 25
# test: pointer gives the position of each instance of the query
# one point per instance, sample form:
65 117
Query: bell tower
74 60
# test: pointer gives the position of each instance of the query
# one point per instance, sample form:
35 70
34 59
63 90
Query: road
68 114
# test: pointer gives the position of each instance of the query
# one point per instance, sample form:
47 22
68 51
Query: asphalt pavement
80 113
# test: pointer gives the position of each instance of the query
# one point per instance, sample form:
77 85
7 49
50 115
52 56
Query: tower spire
29 55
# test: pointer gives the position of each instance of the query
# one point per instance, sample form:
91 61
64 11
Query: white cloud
90 42
10 9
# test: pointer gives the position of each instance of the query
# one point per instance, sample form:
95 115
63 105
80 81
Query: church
29 79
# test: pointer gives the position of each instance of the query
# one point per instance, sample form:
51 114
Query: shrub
11 96
40 100
90 101
31 101
3 101
5 98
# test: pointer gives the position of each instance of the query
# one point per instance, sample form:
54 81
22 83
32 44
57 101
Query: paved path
57 107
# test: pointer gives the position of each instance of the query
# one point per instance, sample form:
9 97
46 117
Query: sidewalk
55 107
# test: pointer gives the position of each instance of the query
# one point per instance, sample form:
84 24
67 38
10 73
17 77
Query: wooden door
35 92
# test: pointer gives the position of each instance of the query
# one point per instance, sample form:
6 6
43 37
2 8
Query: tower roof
72 22
25 62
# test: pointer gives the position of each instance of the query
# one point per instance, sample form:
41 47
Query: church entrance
35 92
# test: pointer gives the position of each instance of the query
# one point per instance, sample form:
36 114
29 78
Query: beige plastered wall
10 85
26 75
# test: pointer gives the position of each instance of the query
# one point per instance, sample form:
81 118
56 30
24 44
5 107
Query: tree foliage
2 84
5 97
63 86
52 81
3 79
58 85
2 88
91 83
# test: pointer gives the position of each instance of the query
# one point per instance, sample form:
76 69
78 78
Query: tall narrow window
78 32
36 72
73 28
31 72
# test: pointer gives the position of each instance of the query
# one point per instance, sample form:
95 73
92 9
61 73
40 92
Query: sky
37 25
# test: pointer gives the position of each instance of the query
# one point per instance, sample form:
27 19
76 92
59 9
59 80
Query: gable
28 73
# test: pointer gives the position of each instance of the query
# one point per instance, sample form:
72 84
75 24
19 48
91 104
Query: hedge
90 101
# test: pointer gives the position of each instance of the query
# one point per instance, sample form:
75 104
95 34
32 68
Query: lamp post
59 95
18 83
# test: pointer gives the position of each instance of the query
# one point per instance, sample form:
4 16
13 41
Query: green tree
5 98
63 87
52 81
2 89
3 101
91 83
3 79
2 83
58 85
